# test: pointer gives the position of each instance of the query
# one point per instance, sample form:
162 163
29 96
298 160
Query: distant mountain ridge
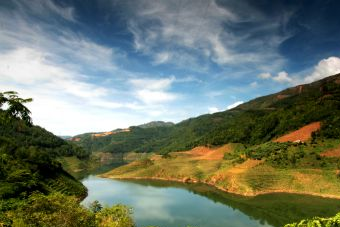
254 122
153 124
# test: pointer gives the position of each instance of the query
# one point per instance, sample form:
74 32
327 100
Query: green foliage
16 108
318 222
52 210
27 164
95 206
278 154
57 209
116 216
28 154
255 122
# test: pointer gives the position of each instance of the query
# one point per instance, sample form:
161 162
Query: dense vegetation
57 209
318 222
34 188
28 154
255 122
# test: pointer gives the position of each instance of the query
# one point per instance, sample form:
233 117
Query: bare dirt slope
206 153
303 134
331 153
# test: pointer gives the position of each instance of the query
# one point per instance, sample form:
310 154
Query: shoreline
190 181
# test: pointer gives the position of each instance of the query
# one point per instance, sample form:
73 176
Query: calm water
167 204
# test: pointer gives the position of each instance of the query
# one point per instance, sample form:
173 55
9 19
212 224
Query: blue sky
106 64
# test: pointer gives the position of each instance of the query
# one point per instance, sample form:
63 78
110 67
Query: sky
99 65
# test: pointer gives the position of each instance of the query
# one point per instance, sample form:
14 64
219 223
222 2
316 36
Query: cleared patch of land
205 153
247 177
331 153
303 134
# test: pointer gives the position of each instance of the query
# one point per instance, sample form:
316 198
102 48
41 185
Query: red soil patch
303 134
110 133
205 153
75 139
279 97
331 153
102 134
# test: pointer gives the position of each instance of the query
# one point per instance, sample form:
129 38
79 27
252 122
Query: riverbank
249 178
223 189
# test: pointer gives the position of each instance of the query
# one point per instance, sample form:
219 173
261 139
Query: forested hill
28 160
154 124
254 122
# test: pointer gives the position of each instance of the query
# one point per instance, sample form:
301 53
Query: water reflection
170 204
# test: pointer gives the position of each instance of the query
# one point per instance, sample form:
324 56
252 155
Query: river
172 204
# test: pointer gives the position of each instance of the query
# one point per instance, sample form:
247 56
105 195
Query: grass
251 177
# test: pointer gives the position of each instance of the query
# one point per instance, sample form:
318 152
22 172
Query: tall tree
13 107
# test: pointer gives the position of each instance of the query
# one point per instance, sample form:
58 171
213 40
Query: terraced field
244 176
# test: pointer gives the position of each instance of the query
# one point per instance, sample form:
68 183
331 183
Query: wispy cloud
202 30
60 69
144 60
44 8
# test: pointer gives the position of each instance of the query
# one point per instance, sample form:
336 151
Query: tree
95 206
13 107
115 216
57 209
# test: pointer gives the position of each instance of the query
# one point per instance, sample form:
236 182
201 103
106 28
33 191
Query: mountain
154 124
255 122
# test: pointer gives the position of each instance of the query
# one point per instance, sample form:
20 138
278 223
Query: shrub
318 222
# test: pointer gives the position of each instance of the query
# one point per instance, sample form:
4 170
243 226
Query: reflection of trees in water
275 209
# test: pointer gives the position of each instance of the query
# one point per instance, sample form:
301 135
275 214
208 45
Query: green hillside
257 121
34 188
153 124
28 155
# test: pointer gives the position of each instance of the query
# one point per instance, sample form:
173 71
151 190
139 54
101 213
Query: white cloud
231 106
326 67
213 110
30 67
264 76
253 84
153 84
282 77
153 91
155 97
58 72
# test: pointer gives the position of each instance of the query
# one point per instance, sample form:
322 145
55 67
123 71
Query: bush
59 210
116 216
318 222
